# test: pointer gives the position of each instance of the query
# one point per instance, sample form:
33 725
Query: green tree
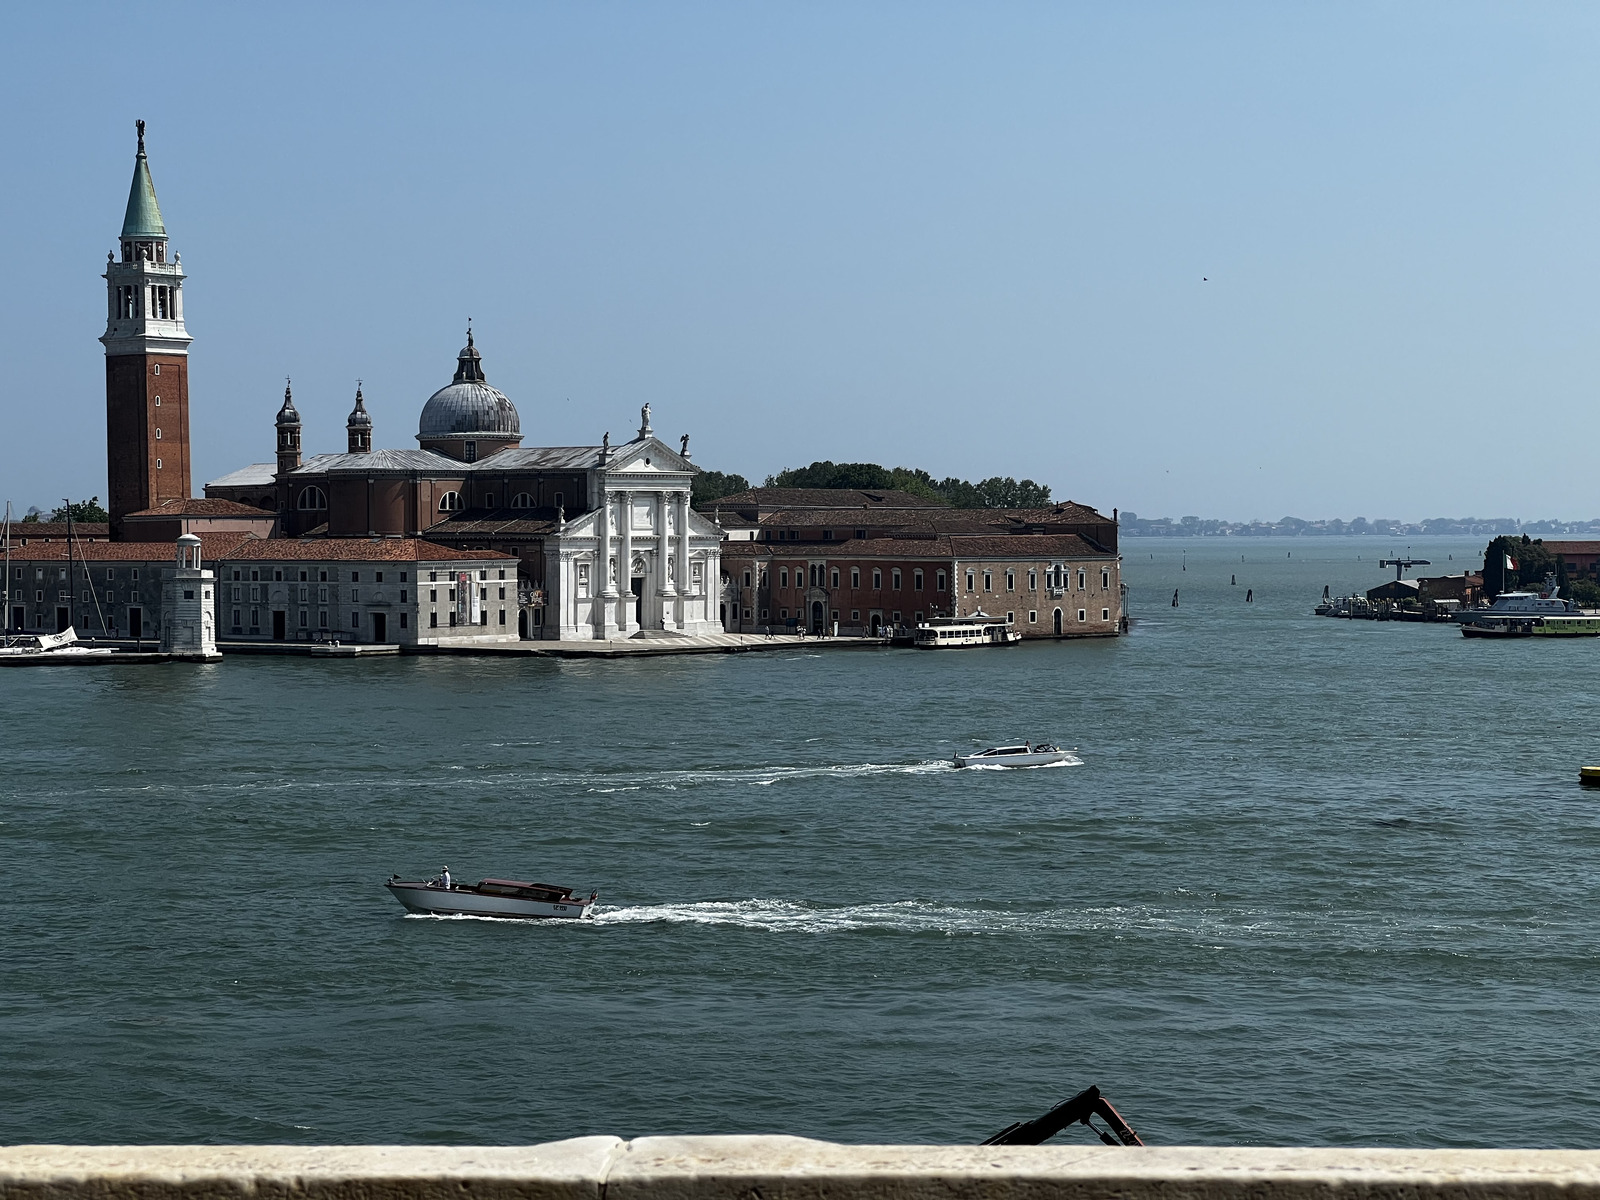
1586 593
714 485
997 492
1533 563
82 510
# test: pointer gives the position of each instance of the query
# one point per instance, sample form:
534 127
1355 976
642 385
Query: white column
605 590
665 583
625 621
685 568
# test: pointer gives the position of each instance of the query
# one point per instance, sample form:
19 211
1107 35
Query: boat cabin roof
523 886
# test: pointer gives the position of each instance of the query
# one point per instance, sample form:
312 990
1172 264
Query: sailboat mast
72 594
8 589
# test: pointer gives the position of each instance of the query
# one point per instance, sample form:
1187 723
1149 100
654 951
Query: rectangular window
402 576
896 616
894 579
877 580
378 577
988 582
355 576
747 579
502 613
255 619
1033 616
972 582
1033 580
1082 575
916 581
433 620
1082 616
322 595
402 620
783 577
855 614
305 619
355 595
402 595
355 620
938 579
322 618
855 577
764 614
322 577
1011 581
1105 614
1105 578
237 624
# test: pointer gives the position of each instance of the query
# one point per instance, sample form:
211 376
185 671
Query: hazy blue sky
970 238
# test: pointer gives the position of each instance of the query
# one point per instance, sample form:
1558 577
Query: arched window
522 500
312 498
450 502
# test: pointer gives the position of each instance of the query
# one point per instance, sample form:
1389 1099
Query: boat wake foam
902 916
1215 929
767 776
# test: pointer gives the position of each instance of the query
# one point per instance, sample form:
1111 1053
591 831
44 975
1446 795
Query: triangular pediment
648 456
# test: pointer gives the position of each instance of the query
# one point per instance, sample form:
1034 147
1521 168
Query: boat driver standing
444 879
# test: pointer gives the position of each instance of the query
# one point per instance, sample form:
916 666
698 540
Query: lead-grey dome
468 406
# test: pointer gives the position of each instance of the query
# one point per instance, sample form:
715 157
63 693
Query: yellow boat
1589 776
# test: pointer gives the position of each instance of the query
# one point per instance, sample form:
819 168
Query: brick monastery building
866 560
471 537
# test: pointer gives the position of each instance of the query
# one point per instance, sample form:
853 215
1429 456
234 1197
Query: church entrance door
636 586
816 617
380 627
279 631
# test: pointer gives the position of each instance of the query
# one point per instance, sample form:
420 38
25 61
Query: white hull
1042 758
465 902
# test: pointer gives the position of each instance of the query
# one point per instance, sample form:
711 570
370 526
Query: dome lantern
467 419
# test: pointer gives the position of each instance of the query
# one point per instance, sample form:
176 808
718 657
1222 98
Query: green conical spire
143 219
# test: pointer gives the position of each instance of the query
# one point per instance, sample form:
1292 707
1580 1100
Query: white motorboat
62 645
1029 754
508 898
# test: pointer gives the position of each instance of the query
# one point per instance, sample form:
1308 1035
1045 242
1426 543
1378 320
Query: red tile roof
1572 547
198 507
212 546
49 530
999 546
356 550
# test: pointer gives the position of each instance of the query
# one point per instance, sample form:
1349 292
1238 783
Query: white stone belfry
188 615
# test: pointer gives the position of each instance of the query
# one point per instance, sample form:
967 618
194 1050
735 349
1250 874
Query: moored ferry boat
508 898
1528 614
979 629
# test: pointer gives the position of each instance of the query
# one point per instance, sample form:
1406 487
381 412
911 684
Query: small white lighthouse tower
188 615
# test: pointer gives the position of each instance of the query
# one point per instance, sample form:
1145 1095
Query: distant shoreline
1130 525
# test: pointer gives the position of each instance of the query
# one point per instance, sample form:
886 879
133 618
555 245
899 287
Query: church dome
468 406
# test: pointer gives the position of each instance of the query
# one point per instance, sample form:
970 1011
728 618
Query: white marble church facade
641 558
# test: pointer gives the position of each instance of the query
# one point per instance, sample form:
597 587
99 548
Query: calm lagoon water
1312 882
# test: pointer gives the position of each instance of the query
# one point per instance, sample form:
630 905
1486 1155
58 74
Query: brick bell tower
147 361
